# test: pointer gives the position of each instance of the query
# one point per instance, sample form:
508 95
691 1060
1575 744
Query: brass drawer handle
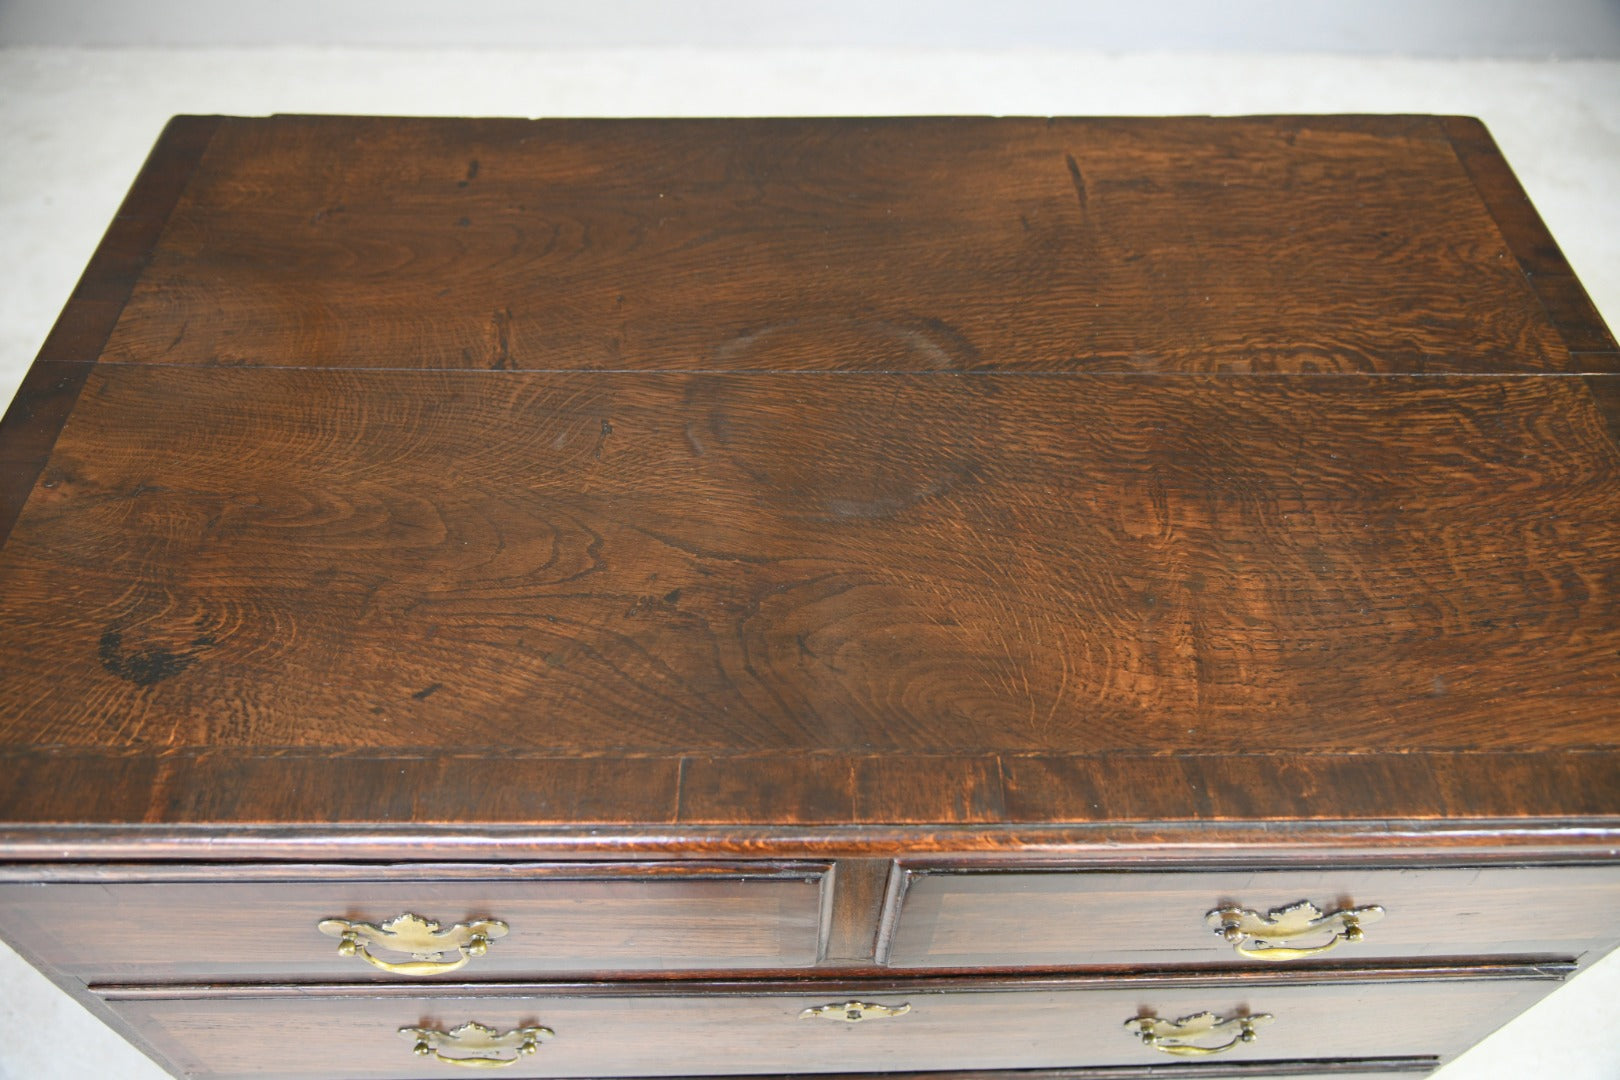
854 1012
479 1045
1175 1037
1240 926
421 938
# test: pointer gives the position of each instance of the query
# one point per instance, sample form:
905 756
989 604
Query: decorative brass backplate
1175 1037
854 1012
1254 935
433 950
474 1046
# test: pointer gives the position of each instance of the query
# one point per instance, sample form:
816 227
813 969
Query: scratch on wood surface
501 323
1079 180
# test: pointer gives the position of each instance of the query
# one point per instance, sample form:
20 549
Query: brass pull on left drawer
433 950
1254 935
1175 1036
474 1046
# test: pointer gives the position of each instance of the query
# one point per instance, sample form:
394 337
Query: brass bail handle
433 949
475 1046
1175 1036
1256 936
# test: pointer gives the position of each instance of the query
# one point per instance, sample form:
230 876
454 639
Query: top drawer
230 923
1006 918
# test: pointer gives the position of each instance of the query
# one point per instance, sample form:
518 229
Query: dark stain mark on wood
143 667
428 691
650 603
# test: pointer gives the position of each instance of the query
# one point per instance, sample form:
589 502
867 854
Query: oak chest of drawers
1062 598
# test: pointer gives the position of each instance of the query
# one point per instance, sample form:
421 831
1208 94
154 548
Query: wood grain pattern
562 921
31 424
1280 243
353 561
275 805
1008 918
695 1034
1591 345
927 476
244 837
859 894
1605 391
51 386
1109 518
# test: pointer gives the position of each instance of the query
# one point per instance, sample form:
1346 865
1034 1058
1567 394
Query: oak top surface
772 472
856 245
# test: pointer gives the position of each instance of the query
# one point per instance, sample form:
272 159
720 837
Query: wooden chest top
769 478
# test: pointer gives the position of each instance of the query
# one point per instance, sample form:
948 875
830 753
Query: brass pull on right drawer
1175 1036
433 950
1254 935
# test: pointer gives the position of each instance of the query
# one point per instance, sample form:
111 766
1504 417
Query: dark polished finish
1108 464
480 568
713 1029
51 387
1287 244
597 919
989 918
827 550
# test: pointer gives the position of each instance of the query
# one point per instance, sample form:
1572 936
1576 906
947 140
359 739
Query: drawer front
961 918
556 921
745 1031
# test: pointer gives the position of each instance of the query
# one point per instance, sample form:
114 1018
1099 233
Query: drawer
263 923
733 1029
991 918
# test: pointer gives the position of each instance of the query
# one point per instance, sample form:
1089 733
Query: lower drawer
739 1029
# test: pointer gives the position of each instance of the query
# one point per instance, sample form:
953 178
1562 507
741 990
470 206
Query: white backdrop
1433 28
